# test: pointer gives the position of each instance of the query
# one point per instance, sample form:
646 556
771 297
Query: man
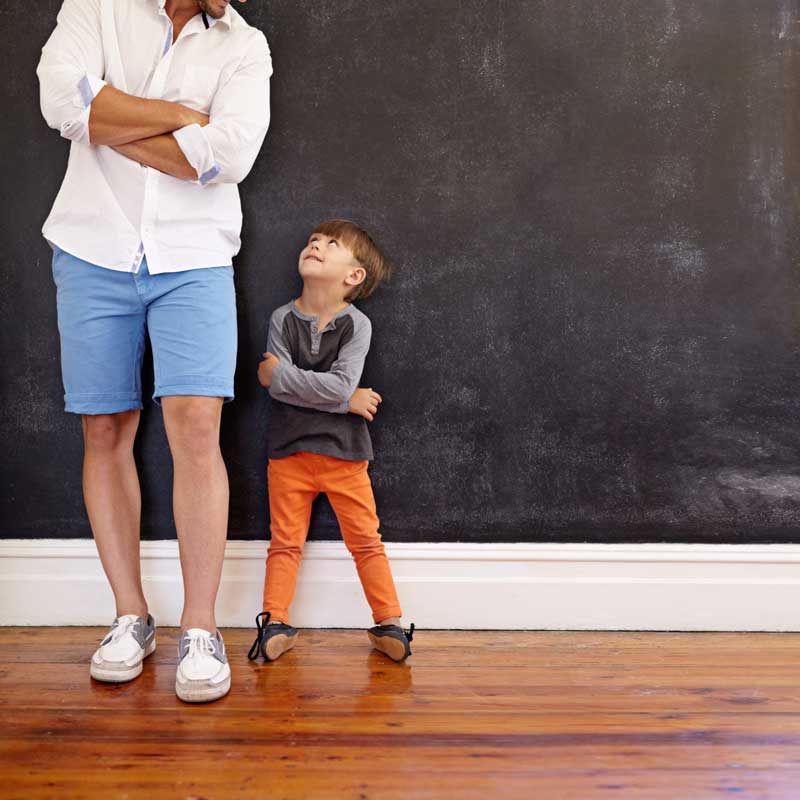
166 104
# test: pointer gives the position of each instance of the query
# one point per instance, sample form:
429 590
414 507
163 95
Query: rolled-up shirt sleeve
225 150
70 67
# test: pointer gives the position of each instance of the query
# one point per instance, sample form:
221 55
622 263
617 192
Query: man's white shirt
110 209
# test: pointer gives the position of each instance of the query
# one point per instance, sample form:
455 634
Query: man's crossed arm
220 147
141 129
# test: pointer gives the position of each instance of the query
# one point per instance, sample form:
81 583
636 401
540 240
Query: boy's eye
333 241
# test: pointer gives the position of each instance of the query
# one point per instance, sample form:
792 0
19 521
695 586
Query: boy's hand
365 403
265 368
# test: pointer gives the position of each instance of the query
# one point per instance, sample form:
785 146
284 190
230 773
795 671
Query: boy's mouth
316 258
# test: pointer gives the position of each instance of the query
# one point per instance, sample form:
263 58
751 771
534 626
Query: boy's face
325 259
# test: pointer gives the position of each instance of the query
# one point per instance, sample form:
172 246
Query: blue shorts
103 315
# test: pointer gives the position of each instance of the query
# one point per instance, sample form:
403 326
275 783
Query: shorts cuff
193 385
102 403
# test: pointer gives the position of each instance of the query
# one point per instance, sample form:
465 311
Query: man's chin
214 8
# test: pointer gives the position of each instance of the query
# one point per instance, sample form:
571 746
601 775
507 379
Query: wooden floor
541 715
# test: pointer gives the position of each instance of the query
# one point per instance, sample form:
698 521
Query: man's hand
365 403
265 368
195 116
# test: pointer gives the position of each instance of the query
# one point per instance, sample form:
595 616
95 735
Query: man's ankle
136 610
199 622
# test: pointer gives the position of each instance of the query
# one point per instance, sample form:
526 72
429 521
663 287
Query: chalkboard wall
593 330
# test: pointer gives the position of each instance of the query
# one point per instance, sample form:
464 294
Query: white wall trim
452 585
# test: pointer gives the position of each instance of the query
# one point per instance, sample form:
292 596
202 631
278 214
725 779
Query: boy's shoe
392 640
273 639
121 653
203 673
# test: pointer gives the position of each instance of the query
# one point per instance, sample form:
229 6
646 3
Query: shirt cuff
195 146
77 128
88 87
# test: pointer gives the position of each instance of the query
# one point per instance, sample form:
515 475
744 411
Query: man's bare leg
200 501
114 503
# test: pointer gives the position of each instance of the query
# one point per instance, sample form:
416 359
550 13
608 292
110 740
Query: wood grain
470 714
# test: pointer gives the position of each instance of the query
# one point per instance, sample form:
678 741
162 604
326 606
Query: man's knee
192 423
110 432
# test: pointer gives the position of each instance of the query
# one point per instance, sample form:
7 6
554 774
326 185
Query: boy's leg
292 490
349 491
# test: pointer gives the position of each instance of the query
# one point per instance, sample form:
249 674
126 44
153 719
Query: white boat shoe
203 673
121 653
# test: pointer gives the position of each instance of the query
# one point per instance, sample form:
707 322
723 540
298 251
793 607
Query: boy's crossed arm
334 391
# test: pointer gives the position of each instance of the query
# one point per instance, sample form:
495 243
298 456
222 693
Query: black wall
593 329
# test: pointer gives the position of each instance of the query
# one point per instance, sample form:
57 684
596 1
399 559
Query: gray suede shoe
120 655
273 638
392 640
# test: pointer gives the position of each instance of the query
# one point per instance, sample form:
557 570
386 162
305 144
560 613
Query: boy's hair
366 252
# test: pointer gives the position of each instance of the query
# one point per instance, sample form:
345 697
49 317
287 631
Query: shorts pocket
55 263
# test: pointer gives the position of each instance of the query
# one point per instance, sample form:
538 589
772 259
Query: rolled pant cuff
388 611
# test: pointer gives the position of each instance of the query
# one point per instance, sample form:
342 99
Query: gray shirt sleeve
327 391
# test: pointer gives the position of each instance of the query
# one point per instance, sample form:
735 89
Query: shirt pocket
198 86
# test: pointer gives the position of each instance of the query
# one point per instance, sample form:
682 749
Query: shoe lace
410 632
118 630
200 645
261 626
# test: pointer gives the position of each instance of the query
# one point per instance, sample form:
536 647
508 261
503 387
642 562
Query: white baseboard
478 586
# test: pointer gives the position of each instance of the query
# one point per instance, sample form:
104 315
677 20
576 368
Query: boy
318 437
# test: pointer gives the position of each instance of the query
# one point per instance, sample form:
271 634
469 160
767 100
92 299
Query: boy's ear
360 269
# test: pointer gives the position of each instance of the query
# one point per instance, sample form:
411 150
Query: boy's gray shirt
311 386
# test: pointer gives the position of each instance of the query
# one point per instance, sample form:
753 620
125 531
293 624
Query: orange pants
294 482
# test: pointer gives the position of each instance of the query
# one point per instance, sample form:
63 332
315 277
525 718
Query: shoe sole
278 645
114 674
202 692
393 648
